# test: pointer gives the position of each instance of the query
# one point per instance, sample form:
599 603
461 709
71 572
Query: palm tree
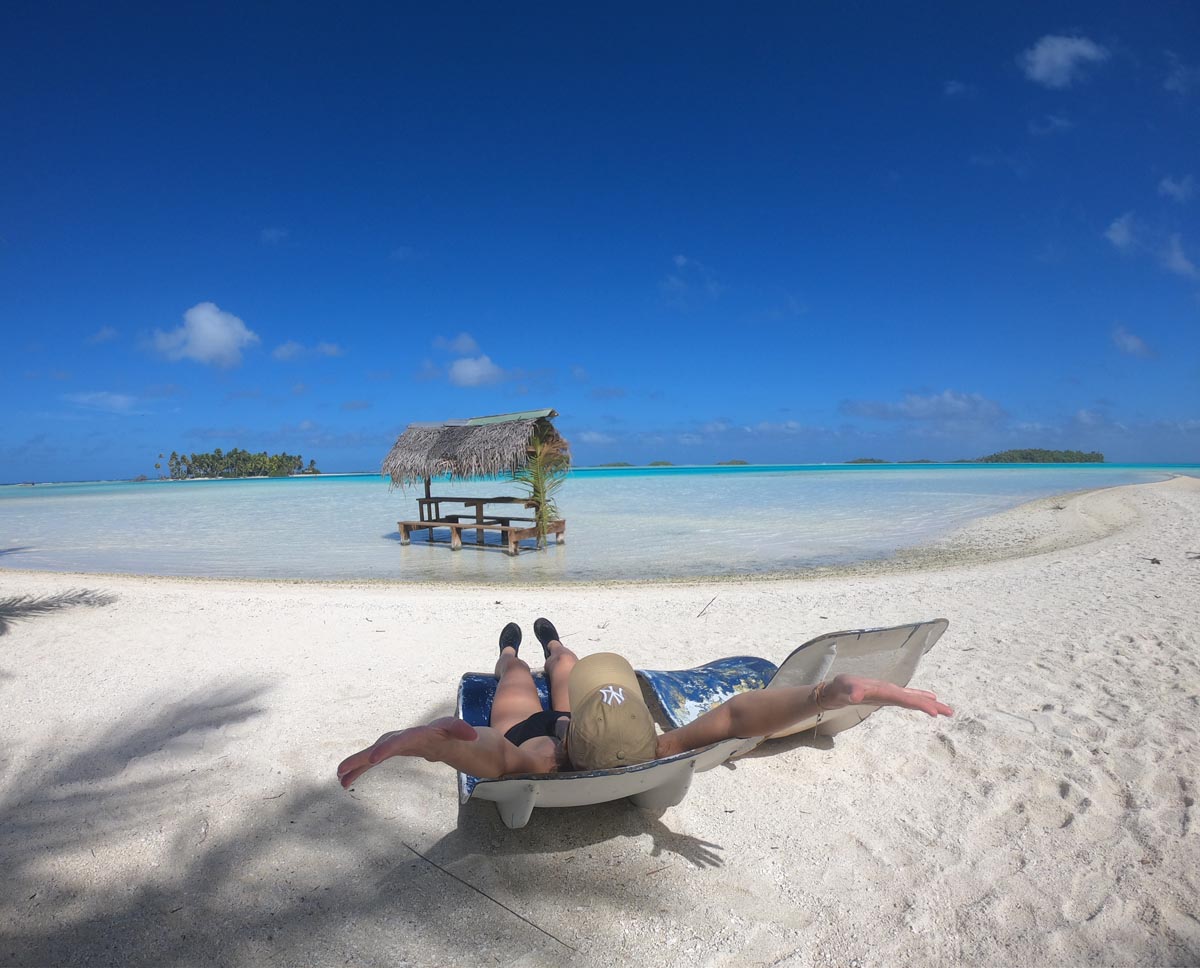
549 459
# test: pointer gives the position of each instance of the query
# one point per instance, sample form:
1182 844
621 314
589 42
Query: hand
847 690
416 741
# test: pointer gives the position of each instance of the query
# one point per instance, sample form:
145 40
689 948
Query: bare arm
766 711
481 751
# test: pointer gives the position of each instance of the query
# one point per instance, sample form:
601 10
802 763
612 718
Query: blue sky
779 233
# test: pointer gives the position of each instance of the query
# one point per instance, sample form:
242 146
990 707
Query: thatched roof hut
475 447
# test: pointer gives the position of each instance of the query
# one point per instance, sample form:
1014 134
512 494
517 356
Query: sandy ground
167 792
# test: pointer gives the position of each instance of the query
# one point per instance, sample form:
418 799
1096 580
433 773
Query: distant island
234 463
879 460
1039 456
1034 455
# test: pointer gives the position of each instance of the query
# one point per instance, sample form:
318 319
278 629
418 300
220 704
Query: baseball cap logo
612 695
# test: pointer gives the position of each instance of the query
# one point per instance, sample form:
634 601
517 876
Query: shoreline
981 541
720 467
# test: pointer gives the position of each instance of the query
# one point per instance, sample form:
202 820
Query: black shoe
546 633
510 637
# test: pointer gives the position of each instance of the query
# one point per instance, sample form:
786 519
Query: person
598 719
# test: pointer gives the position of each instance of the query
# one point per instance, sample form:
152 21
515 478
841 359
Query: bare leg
559 664
516 695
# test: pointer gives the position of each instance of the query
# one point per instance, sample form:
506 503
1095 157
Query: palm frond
542 476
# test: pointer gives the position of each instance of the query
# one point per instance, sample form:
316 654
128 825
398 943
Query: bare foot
847 690
424 741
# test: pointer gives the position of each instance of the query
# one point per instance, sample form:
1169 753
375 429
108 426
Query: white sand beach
167 789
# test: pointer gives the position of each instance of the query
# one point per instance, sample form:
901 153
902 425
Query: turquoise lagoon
622 523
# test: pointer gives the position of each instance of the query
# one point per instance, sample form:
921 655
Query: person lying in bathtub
599 721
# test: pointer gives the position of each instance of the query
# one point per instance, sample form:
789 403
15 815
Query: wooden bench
512 534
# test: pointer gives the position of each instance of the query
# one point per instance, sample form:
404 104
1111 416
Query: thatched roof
475 447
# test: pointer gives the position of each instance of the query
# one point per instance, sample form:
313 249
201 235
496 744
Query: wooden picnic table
429 512
430 508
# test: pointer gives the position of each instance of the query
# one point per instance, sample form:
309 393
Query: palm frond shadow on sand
148 844
200 880
17 608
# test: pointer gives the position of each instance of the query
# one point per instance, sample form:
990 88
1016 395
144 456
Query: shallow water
627 523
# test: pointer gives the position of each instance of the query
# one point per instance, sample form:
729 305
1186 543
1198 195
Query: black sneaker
510 637
546 633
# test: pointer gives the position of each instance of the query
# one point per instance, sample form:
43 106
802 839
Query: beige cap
610 724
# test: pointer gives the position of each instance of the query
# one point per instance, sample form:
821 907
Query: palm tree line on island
233 463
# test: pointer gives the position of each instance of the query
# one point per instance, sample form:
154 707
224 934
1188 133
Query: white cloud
401 253
1131 344
105 334
102 400
957 89
786 427
464 344
1177 261
291 350
1180 189
1091 418
1016 164
596 437
674 288
473 368
790 307
692 283
474 372
1050 124
272 236
1120 232
947 405
1057 62
208 335
1180 77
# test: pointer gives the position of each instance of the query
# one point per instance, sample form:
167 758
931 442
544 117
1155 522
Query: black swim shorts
540 723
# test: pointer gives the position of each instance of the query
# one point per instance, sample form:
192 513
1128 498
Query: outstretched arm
481 751
766 711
